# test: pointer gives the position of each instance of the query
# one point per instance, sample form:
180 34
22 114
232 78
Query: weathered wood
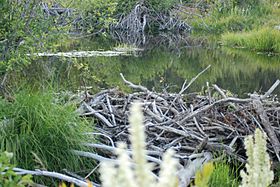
188 123
267 126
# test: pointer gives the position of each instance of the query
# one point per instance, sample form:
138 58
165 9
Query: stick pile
189 123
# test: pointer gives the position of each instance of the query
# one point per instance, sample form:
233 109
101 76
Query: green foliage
276 175
161 5
98 14
228 23
41 133
8 178
264 40
125 6
24 28
223 176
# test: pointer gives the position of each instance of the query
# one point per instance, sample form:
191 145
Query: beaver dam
194 125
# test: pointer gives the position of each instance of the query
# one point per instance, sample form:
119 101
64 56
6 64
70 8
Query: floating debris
81 54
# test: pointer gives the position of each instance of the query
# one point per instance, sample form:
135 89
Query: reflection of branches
137 39
174 42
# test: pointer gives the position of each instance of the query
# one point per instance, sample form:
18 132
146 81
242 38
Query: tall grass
223 176
41 133
234 16
265 40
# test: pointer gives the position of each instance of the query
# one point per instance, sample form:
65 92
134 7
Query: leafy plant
8 178
25 29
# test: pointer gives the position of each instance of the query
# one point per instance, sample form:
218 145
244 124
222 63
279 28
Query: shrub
24 28
41 133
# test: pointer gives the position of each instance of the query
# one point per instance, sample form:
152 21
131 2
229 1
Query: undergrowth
41 133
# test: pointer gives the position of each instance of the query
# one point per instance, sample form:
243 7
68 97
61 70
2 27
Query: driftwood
56 175
81 54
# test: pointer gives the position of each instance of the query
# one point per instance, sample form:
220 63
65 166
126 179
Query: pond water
159 67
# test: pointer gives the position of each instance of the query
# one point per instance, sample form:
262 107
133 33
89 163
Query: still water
157 67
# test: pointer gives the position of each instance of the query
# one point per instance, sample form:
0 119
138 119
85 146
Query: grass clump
263 40
223 176
41 133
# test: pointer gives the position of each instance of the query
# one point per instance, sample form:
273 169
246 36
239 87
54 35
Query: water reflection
159 68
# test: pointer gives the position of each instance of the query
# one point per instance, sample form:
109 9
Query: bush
41 133
24 28
125 6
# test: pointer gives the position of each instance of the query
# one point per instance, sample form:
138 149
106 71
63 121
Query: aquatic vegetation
41 133
264 40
